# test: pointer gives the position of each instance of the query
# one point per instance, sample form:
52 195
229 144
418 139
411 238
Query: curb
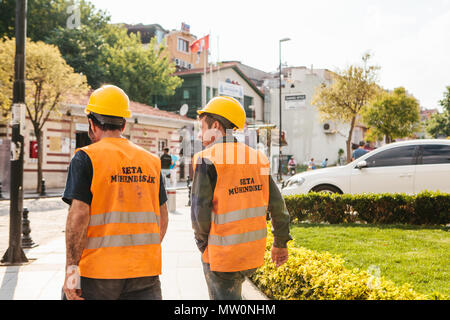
252 292
25 197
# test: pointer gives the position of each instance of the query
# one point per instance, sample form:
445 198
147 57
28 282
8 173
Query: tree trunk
39 139
349 140
388 139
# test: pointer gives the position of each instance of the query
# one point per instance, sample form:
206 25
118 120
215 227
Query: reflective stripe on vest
123 240
123 217
237 238
239 215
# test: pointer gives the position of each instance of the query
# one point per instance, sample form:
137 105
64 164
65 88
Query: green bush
428 208
309 275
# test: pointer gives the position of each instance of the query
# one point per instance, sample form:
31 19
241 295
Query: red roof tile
138 108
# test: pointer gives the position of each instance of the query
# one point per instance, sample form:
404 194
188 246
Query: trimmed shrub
427 208
309 275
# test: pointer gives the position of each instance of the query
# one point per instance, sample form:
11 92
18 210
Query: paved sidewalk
182 277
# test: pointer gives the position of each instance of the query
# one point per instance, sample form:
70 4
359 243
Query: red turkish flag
200 44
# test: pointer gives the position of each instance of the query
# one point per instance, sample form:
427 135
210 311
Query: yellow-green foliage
310 275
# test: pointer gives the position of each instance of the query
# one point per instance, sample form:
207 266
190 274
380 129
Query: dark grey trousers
225 285
145 288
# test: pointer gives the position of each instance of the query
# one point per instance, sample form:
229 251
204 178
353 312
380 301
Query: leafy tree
44 16
49 81
392 115
439 124
345 98
83 49
52 21
141 72
103 52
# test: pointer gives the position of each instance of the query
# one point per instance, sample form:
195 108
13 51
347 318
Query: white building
306 135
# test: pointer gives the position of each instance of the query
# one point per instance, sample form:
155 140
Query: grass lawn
414 254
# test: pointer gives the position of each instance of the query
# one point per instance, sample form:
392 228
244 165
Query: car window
435 153
401 156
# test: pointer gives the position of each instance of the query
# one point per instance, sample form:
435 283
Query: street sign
294 101
229 89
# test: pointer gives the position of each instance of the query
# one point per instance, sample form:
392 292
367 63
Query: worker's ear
217 126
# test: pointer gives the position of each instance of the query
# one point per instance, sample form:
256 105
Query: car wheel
326 189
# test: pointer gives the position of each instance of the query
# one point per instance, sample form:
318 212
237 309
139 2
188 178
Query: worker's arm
164 215
280 224
203 184
76 232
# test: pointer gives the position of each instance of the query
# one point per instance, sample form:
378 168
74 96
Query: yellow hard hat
226 107
109 100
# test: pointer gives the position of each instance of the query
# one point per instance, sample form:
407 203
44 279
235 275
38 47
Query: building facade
227 79
307 135
150 128
178 44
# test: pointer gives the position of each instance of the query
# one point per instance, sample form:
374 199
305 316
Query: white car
408 166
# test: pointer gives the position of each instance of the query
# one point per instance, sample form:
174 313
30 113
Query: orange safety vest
123 237
237 237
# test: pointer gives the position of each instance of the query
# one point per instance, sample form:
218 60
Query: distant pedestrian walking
166 163
325 163
311 164
360 151
173 171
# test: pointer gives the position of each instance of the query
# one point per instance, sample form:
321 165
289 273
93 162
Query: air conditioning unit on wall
328 127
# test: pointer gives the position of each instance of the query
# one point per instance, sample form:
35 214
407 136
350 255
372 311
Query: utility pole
280 172
15 254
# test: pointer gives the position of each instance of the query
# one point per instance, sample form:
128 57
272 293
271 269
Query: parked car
408 166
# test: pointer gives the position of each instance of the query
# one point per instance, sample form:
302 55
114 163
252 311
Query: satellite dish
184 109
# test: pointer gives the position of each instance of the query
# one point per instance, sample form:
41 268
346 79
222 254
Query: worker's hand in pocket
279 256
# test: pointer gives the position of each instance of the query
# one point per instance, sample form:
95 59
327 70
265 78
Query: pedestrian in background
166 163
118 215
173 171
311 164
325 163
359 151
231 193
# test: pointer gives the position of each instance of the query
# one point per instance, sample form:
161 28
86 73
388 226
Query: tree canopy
439 124
44 16
103 52
141 72
345 98
49 80
392 115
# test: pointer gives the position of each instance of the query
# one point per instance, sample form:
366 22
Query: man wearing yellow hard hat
231 192
118 214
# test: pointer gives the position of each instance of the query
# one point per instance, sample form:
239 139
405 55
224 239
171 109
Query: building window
183 45
185 94
248 101
162 143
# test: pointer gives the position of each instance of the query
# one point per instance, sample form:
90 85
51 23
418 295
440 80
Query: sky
408 39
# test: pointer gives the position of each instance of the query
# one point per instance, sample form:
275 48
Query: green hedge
427 208
309 275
